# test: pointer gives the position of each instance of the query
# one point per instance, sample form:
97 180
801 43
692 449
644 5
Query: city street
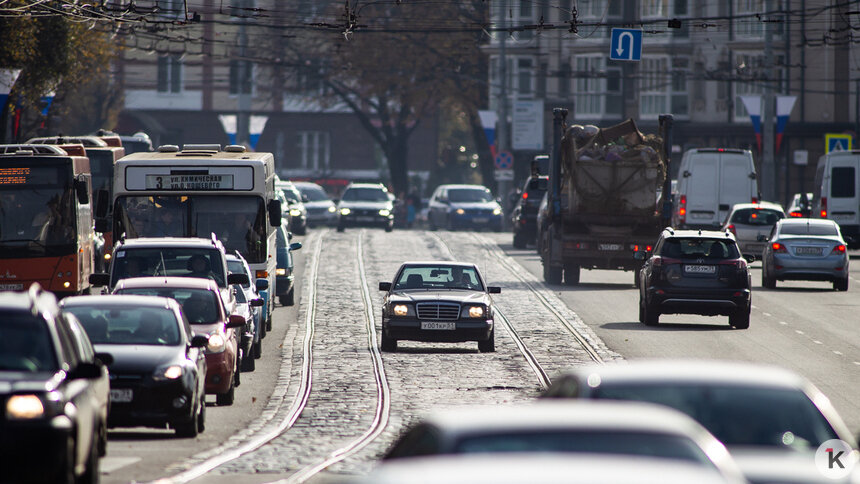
332 425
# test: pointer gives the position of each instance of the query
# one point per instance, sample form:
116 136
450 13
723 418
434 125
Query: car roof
307 184
548 415
767 205
438 263
694 371
167 281
807 221
367 185
170 242
118 300
463 185
705 234
35 300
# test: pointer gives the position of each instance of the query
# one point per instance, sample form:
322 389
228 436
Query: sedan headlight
474 311
24 407
280 271
401 310
497 211
345 211
332 209
459 211
384 212
294 212
217 343
171 372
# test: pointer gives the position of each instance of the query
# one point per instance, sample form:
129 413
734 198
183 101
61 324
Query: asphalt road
801 325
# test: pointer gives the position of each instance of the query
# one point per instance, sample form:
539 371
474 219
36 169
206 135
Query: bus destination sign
189 182
14 176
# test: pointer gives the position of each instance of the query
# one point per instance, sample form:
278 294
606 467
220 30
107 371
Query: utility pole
243 116
502 108
768 166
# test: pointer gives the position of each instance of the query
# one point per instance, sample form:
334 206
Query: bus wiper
162 265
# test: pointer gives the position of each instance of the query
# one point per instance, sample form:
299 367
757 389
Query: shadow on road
592 286
136 434
434 350
723 326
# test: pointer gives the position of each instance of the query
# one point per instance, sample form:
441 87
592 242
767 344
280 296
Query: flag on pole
488 122
784 105
753 105
229 122
258 124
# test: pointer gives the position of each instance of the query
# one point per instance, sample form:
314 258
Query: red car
204 309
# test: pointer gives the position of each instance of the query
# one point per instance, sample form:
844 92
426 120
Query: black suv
695 272
525 213
54 393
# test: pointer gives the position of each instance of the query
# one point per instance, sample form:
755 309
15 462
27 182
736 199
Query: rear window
756 216
25 343
808 229
697 247
842 182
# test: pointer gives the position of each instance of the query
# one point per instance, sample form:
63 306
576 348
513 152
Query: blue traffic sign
504 160
837 142
626 45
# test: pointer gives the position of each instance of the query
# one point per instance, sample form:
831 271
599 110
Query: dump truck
609 197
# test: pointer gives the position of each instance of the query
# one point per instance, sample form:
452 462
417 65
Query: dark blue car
284 272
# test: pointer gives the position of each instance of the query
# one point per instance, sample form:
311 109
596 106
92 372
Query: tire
389 228
519 241
263 329
258 350
102 440
767 282
488 346
303 231
340 228
190 429
741 319
289 299
431 225
840 284
227 398
636 275
237 373
649 316
571 275
552 274
387 344
201 418
269 323
249 363
91 473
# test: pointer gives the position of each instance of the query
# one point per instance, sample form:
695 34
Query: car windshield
439 277
178 261
365 195
315 193
291 195
622 442
200 306
756 216
737 415
128 325
25 344
808 229
696 248
459 195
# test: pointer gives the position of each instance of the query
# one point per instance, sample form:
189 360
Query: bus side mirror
262 284
81 191
295 246
102 225
102 200
274 213
99 279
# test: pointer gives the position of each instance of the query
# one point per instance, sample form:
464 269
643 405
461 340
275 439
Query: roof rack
235 149
88 141
31 149
168 149
670 230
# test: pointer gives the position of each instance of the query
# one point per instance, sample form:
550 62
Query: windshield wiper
161 265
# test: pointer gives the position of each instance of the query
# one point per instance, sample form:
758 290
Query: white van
836 192
710 181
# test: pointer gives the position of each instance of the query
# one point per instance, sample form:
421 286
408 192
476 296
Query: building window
524 76
598 89
169 74
564 76
241 77
312 150
540 88
664 89
241 8
660 9
679 93
749 22
172 9
597 11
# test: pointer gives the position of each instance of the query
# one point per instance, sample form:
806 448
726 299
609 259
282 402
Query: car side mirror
86 371
305 198
275 215
99 279
262 284
750 259
494 289
295 246
105 358
639 255
199 341
236 321
257 302
241 279
384 286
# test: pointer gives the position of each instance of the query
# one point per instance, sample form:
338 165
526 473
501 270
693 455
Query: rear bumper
706 302
829 268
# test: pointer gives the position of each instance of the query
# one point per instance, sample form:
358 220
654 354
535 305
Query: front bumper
153 403
365 220
220 368
704 301
36 451
470 220
466 330
321 217
283 285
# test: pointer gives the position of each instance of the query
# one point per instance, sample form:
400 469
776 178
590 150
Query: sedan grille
438 311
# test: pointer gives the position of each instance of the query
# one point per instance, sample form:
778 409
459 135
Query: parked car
801 205
54 389
771 420
464 206
205 311
805 249
236 264
158 371
695 272
837 192
438 301
525 213
630 429
321 209
295 207
751 223
710 181
365 205
284 278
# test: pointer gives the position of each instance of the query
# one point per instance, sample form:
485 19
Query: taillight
261 274
839 249
754 200
823 207
682 209
525 195
777 247
795 214
731 228
736 263
664 261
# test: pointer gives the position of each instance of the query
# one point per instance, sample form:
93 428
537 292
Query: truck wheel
519 241
552 274
571 274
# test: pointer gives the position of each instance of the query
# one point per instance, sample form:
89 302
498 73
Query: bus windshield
37 210
239 222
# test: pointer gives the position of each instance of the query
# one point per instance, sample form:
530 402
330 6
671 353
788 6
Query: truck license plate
438 325
121 395
11 287
609 246
696 269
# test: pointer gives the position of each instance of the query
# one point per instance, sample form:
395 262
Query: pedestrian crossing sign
837 142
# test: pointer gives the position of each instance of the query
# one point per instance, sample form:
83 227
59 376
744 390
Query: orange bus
46 223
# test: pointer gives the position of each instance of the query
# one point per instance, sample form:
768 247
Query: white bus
198 191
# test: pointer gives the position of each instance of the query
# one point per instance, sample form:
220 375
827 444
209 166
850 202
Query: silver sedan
805 249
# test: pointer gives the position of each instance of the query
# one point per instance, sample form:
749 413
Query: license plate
438 325
807 250
693 269
121 395
11 287
480 220
609 246
364 219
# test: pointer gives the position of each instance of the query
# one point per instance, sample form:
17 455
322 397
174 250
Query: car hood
365 205
320 204
761 464
26 381
138 359
421 295
474 205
